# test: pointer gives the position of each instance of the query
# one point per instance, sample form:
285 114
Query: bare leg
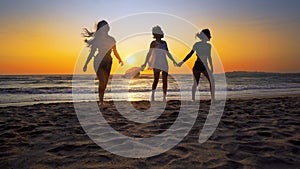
154 85
196 82
210 78
103 77
101 87
165 85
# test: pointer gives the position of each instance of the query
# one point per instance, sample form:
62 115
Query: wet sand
253 133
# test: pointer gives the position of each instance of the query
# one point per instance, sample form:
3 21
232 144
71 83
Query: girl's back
203 51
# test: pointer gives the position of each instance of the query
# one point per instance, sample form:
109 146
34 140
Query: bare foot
152 96
103 105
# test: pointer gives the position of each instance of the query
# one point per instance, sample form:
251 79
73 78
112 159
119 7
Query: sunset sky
43 36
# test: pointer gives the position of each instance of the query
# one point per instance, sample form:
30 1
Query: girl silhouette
103 44
156 59
203 52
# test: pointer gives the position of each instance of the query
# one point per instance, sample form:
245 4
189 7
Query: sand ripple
253 133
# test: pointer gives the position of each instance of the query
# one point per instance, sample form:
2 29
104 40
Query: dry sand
253 133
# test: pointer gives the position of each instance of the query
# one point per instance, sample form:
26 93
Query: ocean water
32 89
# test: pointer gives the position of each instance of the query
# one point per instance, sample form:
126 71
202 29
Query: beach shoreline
207 98
253 133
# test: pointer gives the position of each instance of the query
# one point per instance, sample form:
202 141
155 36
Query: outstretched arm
92 52
169 54
171 57
187 57
117 54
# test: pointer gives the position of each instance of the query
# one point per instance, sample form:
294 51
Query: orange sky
38 45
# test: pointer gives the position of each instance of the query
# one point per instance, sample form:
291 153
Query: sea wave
90 90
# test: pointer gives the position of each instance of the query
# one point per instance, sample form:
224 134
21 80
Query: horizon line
238 71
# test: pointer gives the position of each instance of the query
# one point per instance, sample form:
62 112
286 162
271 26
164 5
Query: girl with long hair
104 45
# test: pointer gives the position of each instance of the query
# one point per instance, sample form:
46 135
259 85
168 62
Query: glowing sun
130 60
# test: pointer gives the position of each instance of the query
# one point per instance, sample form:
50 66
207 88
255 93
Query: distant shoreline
62 74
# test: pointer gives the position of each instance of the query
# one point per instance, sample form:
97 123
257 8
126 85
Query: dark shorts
199 66
105 67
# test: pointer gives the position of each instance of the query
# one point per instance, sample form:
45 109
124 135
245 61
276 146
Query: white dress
158 58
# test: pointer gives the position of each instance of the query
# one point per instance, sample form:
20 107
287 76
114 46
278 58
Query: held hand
84 68
180 64
175 63
143 66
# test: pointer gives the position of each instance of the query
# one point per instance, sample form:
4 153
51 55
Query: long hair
86 33
102 27
103 24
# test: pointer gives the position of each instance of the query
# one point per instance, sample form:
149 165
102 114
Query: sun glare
130 60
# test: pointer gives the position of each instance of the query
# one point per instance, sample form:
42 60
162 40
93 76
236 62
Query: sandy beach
253 133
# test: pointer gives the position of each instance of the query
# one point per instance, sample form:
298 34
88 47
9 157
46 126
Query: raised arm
117 54
92 52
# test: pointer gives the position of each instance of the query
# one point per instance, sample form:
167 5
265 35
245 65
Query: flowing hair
89 35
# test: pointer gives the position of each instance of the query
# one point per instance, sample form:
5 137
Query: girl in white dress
156 59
